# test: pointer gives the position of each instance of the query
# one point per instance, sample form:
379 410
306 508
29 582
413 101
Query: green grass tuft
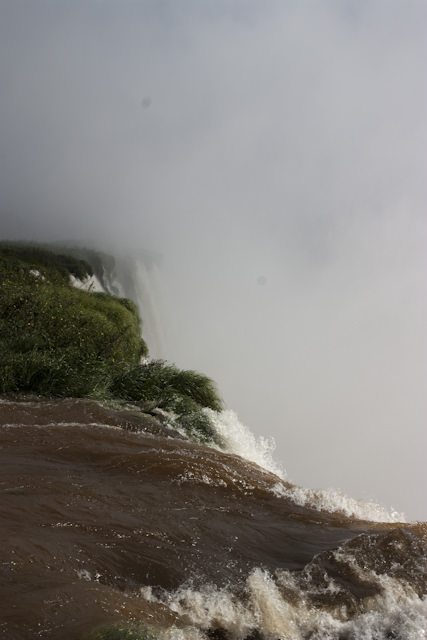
183 393
159 380
123 632
57 341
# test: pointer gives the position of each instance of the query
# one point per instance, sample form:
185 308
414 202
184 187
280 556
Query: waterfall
134 276
137 278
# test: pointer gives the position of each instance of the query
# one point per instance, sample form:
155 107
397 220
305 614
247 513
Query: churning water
109 516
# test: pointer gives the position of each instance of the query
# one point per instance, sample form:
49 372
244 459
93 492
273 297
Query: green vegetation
184 393
57 341
54 264
123 632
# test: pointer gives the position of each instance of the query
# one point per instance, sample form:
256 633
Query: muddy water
109 516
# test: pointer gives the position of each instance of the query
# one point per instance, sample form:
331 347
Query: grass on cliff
183 393
53 264
59 341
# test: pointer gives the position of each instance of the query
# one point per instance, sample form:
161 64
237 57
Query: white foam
90 283
239 440
36 273
265 607
333 501
84 574
63 425
207 607
197 477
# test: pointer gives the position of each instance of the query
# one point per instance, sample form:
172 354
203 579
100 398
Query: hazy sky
274 154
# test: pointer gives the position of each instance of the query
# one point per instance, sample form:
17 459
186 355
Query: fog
273 154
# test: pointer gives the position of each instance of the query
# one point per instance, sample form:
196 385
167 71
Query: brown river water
109 516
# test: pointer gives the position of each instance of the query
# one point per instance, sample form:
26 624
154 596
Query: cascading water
135 276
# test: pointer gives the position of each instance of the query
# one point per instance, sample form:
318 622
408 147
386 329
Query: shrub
184 393
157 379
